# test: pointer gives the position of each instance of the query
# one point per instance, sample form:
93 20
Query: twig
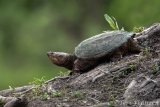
6 99
55 78
16 90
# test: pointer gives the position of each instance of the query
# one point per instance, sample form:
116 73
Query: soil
102 86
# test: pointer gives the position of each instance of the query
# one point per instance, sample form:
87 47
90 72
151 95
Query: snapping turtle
106 46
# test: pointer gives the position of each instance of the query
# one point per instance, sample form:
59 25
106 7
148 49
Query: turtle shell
102 44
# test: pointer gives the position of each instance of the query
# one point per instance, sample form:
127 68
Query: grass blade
116 24
109 20
112 22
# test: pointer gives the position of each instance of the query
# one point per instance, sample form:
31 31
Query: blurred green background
30 28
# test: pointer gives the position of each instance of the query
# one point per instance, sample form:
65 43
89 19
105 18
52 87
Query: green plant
129 69
38 81
138 29
112 22
77 94
61 74
132 67
155 69
110 104
57 94
112 99
1 102
37 86
45 96
11 88
146 51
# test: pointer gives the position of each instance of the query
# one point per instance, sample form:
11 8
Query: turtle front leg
116 56
81 66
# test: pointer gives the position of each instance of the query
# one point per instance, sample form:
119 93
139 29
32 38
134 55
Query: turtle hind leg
82 66
134 47
116 56
62 59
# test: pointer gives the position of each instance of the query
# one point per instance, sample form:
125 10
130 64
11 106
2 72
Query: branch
16 90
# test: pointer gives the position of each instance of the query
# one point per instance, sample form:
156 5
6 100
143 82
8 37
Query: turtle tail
62 59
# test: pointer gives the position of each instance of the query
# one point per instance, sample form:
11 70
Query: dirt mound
133 81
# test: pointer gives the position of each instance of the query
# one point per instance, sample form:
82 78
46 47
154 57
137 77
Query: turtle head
57 58
61 59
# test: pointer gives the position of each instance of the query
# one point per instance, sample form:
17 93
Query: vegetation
78 94
36 91
155 69
138 29
57 94
112 22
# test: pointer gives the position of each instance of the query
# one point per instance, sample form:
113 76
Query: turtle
105 47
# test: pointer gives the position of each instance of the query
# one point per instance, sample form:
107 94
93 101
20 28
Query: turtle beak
52 56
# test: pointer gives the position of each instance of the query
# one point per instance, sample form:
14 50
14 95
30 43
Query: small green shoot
138 29
112 22
111 101
38 81
146 51
78 94
46 96
61 74
132 67
11 88
155 69
57 94
110 104
1 102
